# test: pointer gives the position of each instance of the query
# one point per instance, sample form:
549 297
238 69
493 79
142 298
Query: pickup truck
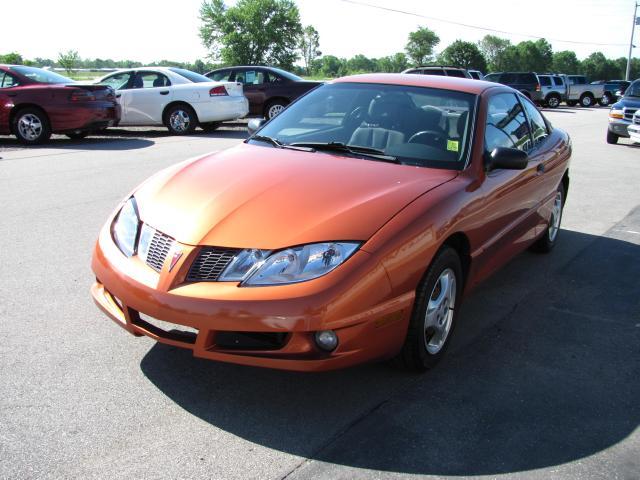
621 115
579 90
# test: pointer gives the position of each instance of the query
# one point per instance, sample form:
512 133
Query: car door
254 81
506 219
8 92
546 85
147 98
121 83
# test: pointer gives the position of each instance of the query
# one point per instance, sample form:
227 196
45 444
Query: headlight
125 227
292 265
617 114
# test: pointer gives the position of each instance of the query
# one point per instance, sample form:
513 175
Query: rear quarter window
545 81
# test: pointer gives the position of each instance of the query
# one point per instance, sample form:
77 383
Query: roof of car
467 85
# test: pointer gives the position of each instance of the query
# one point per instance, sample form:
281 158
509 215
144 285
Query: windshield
191 76
633 90
41 76
426 127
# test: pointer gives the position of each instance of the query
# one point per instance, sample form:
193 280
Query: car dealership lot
541 380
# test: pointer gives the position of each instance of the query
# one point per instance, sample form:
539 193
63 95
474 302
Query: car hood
262 197
627 102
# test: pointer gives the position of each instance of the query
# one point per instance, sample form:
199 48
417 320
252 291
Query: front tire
612 138
434 313
547 241
31 126
181 119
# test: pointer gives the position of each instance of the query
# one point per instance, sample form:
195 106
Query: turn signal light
619 114
218 91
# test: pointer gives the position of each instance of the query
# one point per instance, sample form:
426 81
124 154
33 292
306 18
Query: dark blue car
621 113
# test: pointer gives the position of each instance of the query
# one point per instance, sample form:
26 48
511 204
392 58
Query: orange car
347 229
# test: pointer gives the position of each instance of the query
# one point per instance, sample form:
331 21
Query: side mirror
507 158
255 124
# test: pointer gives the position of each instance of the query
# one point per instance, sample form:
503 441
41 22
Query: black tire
572 103
612 138
210 126
79 135
553 100
273 108
550 237
180 119
414 355
31 126
605 100
587 100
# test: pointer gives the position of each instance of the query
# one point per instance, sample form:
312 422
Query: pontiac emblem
176 256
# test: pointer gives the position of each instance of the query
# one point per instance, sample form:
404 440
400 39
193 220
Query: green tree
251 32
13 58
465 55
534 56
309 43
493 49
360 64
330 66
598 67
566 62
68 60
421 44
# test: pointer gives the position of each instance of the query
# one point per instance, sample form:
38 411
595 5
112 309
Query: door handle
540 168
166 92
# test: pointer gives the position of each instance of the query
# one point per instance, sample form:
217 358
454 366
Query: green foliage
13 58
421 44
69 60
566 61
252 32
598 67
308 44
493 49
464 54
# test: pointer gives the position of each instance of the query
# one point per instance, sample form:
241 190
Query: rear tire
31 126
181 119
605 100
586 100
434 315
550 237
612 138
273 108
553 101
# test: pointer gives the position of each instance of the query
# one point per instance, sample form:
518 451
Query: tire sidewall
45 134
585 98
272 104
193 120
446 258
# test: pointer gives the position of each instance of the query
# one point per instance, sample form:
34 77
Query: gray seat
378 130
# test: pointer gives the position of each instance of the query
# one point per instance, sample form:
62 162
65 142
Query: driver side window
506 124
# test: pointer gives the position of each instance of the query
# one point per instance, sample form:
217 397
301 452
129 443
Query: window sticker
452 145
250 77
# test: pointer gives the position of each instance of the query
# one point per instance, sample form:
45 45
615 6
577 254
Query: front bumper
354 300
619 127
634 132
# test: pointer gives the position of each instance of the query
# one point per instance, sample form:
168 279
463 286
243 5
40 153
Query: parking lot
542 380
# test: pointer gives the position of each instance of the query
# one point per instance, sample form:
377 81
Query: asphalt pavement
542 380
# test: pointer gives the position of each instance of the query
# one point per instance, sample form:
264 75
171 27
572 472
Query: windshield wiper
374 153
278 144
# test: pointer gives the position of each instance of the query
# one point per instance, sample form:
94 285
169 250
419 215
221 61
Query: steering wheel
428 137
355 116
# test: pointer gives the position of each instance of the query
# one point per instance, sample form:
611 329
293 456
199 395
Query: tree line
270 32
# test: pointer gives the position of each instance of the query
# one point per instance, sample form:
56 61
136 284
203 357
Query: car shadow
90 143
543 371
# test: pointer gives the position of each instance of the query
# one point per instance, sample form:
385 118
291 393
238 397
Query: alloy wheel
30 127
275 110
179 120
556 215
439 317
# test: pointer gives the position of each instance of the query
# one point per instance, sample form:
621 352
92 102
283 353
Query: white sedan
177 98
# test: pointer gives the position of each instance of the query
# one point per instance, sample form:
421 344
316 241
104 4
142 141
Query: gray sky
149 30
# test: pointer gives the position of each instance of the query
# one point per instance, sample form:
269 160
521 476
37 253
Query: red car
34 103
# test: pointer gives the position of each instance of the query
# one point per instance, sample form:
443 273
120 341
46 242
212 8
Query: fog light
327 340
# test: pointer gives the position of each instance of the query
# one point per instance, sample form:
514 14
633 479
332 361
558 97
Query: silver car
554 90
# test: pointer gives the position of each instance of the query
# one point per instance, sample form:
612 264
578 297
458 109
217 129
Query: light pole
633 29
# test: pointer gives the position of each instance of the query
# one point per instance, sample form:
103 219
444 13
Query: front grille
158 250
628 113
210 263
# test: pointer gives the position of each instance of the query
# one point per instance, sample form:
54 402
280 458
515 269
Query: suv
440 70
554 90
613 89
525 82
476 74
621 113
